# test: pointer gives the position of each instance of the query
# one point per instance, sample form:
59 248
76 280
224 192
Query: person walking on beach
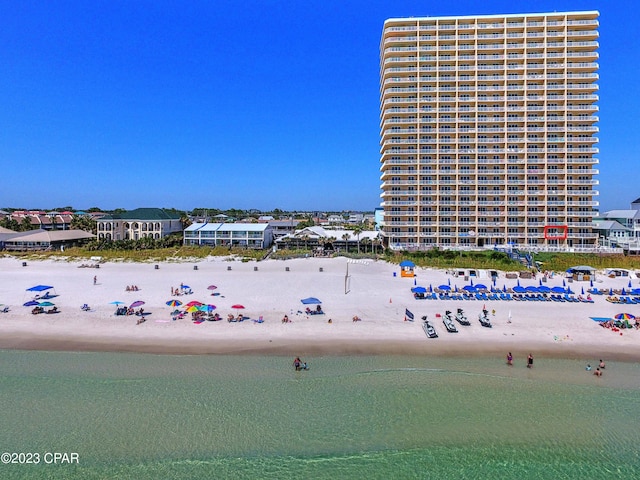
509 359
530 361
95 279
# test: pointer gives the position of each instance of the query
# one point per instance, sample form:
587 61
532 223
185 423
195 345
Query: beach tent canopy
407 263
309 301
39 288
584 269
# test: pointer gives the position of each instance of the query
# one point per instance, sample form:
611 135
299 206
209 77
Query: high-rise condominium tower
488 130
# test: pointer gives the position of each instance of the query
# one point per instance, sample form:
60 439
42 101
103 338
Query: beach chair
5 310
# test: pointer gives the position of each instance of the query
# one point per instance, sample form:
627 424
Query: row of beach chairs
624 300
522 297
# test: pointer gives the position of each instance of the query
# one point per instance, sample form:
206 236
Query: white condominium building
488 130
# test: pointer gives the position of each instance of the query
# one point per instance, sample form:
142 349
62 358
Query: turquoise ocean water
153 416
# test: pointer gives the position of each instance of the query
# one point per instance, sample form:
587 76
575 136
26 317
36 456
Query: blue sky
237 104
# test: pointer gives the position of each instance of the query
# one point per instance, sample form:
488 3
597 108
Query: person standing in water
509 359
530 361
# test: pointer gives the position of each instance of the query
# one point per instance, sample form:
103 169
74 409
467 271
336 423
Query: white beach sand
376 296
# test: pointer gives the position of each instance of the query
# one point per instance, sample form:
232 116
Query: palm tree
375 242
357 231
346 237
305 238
366 241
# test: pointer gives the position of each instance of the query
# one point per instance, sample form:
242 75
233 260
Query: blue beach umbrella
419 290
311 301
582 291
519 289
563 284
558 290
116 303
544 289
504 288
591 283
445 287
480 286
31 303
430 289
470 288
532 289
629 284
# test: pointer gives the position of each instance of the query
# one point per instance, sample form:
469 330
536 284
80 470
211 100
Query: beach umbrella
207 308
45 304
407 263
430 289
519 289
558 290
582 291
39 288
31 303
305 301
480 286
591 283
174 303
238 307
445 287
116 303
532 289
185 287
623 292
470 288
419 290
471 282
610 291
193 308
137 303
211 287
544 289
504 288
494 281
624 316
629 284
563 284
194 303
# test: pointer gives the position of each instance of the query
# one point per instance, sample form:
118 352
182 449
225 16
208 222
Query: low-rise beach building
40 240
139 223
249 235
331 239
